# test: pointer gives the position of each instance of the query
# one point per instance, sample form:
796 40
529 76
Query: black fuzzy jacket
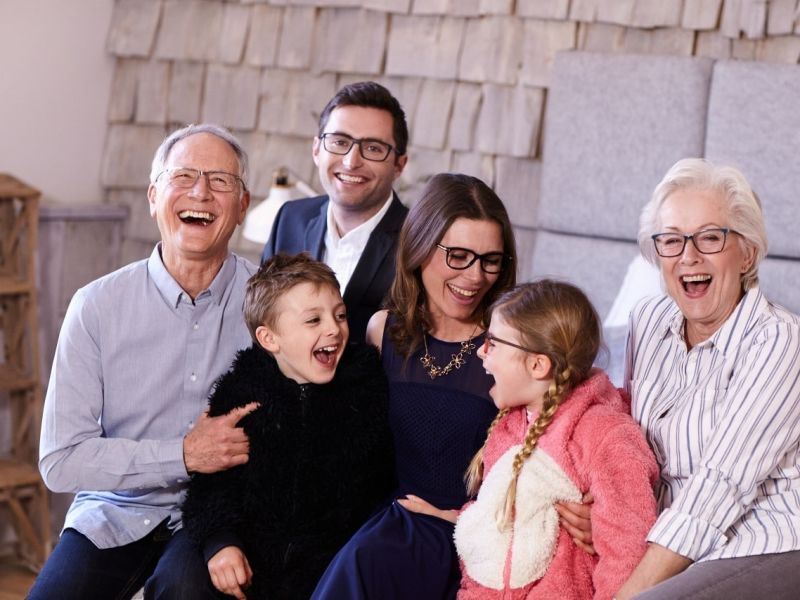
320 462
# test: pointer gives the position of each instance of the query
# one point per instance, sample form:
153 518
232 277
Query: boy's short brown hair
275 277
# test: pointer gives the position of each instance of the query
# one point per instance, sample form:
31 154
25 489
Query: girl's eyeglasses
491 339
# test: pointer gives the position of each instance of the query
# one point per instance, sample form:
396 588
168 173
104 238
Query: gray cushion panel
780 281
614 125
597 266
754 124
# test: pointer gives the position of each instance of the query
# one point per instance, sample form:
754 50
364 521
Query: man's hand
216 443
576 518
230 572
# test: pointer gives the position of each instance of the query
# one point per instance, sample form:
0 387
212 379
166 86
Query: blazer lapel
315 232
381 242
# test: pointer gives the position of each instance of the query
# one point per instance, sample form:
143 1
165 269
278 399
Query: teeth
328 349
695 278
350 178
196 214
462 291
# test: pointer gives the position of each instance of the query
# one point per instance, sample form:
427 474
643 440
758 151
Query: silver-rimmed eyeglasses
463 258
491 339
707 241
186 177
340 143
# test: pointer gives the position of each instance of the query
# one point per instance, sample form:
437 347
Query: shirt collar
174 293
332 237
734 328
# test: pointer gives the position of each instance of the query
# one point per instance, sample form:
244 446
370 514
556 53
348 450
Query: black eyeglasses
463 258
339 143
707 241
490 339
218 181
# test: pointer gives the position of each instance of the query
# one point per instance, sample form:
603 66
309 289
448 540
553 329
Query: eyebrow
701 228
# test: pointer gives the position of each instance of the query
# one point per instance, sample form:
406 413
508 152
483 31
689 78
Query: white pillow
641 280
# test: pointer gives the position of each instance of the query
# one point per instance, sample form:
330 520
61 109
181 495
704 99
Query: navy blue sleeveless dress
438 425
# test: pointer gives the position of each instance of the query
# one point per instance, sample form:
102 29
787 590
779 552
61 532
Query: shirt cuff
173 469
218 541
686 535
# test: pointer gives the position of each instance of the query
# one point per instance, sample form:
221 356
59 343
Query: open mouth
695 284
327 354
196 217
464 293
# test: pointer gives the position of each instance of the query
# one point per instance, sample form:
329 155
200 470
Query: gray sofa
616 123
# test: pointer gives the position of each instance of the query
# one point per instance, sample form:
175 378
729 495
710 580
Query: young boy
320 457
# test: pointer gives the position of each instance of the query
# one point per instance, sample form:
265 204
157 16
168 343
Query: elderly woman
713 371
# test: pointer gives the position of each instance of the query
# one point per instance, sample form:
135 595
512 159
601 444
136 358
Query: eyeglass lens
338 143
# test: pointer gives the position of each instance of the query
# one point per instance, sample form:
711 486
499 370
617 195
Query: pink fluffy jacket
592 445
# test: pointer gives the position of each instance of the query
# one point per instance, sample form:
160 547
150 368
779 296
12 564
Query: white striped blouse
723 420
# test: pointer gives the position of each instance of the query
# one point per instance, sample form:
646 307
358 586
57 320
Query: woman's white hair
743 208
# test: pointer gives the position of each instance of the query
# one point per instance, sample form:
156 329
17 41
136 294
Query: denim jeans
169 566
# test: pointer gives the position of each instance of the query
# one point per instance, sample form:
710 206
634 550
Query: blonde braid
553 398
473 476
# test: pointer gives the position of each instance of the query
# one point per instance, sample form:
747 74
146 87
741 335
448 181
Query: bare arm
657 565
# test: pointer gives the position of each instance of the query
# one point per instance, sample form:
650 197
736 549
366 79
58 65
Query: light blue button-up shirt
135 362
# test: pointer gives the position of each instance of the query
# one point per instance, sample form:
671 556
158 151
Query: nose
482 349
200 189
690 254
353 158
475 272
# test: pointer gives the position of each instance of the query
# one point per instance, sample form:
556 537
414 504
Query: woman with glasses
713 370
456 254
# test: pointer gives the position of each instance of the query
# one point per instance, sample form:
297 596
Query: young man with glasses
360 150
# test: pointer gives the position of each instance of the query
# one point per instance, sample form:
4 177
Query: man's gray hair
160 157
741 202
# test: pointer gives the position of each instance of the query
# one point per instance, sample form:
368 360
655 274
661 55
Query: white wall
55 81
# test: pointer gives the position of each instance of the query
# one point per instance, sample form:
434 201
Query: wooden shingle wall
472 76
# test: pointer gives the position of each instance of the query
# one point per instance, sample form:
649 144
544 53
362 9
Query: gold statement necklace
456 360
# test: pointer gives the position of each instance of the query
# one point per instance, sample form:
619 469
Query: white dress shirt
343 253
723 420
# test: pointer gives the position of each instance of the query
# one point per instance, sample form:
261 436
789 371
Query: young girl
562 430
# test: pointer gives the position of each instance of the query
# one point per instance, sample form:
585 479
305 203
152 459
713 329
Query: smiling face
520 377
455 295
310 334
706 287
197 223
357 187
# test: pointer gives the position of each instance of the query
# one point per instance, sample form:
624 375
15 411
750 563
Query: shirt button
193 377
147 521
196 326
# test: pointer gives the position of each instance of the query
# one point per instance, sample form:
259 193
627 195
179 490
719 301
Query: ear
399 165
244 204
151 199
538 366
315 150
749 257
267 339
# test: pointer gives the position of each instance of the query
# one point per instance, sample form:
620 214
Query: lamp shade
259 220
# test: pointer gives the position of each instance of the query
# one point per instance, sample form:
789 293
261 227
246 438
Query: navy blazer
300 226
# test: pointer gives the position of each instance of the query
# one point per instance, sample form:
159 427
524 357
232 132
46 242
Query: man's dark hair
371 95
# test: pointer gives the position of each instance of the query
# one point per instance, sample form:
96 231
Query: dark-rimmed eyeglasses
491 339
463 258
707 241
186 177
340 143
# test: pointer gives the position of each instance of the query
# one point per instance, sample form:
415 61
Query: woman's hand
576 518
230 572
418 505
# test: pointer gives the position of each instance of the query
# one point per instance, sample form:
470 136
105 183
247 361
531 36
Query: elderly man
124 422
354 227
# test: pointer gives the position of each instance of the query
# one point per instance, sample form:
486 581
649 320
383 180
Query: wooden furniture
22 492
